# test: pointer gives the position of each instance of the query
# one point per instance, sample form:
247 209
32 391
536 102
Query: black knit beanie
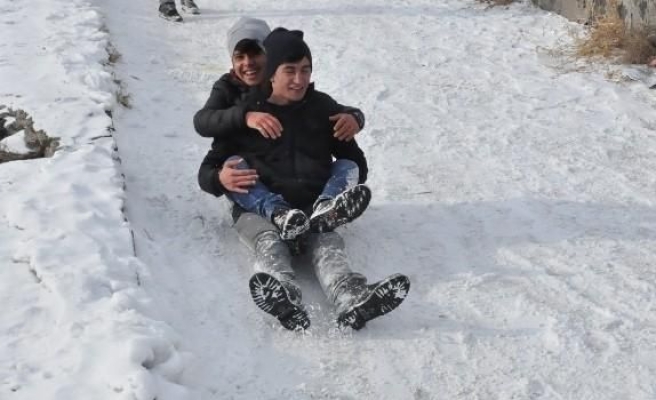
284 46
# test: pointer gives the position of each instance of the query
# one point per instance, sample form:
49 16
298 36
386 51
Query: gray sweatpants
326 250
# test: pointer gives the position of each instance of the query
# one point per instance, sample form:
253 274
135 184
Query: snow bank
77 324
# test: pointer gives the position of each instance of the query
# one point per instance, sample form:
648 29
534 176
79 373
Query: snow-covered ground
517 195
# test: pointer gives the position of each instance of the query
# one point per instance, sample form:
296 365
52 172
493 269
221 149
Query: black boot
168 12
291 222
347 206
280 299
358 303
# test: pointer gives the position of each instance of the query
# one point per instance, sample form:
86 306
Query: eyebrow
293 67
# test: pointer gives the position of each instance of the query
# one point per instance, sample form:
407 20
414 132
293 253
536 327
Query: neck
278 100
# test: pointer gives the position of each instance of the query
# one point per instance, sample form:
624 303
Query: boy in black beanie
226 113
342 199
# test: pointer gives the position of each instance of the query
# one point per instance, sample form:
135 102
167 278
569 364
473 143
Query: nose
248 60
299 77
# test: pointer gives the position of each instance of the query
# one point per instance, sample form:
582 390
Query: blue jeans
344 174
260 200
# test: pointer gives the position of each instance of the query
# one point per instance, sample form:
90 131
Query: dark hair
295 55
248 46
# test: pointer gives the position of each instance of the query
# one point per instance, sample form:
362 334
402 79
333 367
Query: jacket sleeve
351 151
208 173
220 116
355 112
342 149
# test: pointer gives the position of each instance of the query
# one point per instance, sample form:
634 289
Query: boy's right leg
271 206
273 287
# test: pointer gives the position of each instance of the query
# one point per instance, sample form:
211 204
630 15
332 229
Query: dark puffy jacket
224 113
225 109
297 165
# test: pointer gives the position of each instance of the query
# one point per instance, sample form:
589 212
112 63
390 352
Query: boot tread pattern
270 296
384 297
293 224
347 207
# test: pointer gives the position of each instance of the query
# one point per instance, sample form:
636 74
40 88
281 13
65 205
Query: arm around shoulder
222 114
336 108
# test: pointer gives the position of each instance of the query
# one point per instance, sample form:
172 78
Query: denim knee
343 165
242 163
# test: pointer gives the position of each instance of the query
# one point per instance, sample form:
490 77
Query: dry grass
493 3
638 49
113 56
610 38
122 96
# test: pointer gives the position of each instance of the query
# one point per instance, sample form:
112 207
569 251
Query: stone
37 143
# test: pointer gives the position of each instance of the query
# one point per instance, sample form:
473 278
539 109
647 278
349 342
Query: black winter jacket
223 118
296 165
225 109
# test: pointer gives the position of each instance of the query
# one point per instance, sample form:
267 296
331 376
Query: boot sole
296 225
387 296
346 210
269 295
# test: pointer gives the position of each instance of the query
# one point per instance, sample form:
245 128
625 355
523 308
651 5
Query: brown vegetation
610 38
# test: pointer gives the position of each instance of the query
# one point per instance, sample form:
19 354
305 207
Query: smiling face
291 81
248 62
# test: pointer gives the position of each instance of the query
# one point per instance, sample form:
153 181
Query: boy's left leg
356 302
342 199
343 176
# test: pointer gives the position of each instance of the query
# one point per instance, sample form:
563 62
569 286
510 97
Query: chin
296 96
251 81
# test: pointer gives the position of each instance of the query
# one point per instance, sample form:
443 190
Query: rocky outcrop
19 140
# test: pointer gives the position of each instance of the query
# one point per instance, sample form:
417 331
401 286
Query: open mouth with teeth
251 75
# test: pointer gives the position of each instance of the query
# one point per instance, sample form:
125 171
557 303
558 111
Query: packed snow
515 192
15 143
